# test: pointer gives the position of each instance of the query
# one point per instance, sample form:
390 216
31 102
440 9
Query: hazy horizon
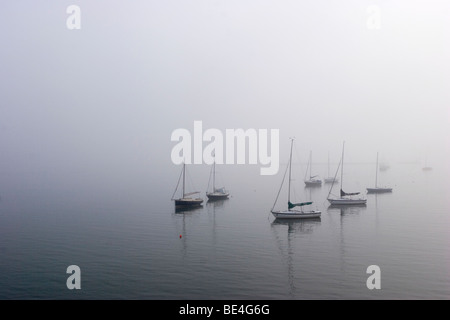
103 100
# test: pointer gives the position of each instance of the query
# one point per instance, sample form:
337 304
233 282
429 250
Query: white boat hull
344 201
331 180
295 214
217 196
378 190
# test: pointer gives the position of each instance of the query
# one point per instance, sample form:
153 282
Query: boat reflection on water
216 203
187 209
346 209
217 200
285 232
298 225
341 218
213 206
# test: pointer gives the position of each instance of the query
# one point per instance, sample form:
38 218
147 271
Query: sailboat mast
342 169
290 164
376 173
184 177
214 176
328 164
310 165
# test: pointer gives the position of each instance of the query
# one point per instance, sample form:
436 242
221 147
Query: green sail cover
292 205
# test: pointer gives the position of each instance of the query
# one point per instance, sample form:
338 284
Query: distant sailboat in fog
426 167
344 197
216 193
377 189
186 201
330 179
312 182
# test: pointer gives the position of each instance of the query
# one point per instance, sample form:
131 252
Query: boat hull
379 190
331 180
313 183
188 202
343 201
217 196
294 214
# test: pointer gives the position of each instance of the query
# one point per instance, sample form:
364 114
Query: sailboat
312 182
330 179
290 213
426 167
345 198
217 193
378 189
185 200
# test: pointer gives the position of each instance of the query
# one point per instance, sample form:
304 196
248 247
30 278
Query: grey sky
104 99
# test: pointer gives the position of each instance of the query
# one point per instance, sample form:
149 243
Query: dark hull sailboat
188 202
185 201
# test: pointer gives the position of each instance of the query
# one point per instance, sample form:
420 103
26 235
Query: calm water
125 237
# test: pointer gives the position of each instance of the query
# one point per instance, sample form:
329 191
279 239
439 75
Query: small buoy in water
180 236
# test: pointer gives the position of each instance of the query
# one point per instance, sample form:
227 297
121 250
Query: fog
97 105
